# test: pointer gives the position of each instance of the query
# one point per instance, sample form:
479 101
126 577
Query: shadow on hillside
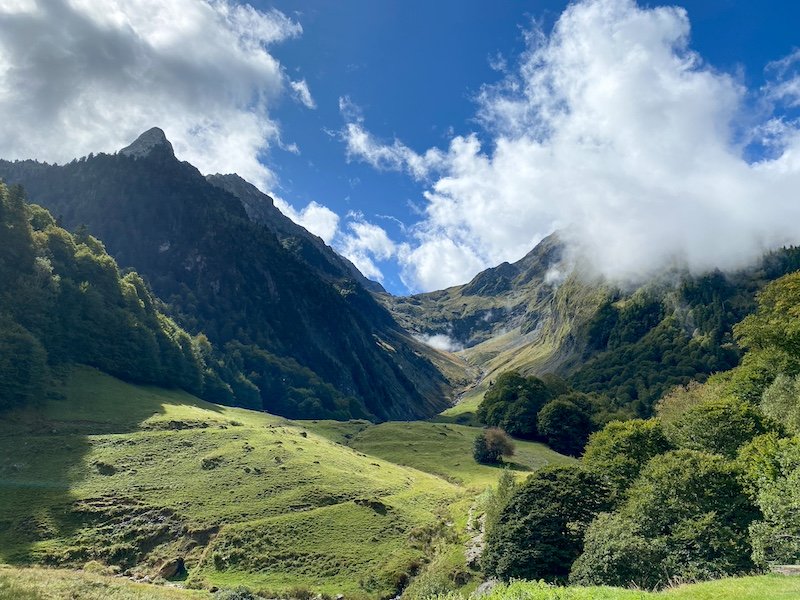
45 453
513 466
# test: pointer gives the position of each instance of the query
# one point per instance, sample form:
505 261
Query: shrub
620 450
540 531
686 518
491 445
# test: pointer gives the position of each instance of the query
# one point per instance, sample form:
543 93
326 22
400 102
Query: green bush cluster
544 409
708 489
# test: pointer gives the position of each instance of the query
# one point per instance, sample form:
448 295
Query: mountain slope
305 245
540 315
222 274
132 477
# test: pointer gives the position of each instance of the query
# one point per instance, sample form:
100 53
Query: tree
685 518
781 402
564 425
719 426
771 469
491 445
513 402
498 499
540 532
619 451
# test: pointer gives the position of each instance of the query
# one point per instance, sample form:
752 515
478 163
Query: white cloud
395 157
365 243
316 218
612 130
84 76
302 93
440 341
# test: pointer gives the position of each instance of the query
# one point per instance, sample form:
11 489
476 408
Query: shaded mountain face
312 345
306 246
540 315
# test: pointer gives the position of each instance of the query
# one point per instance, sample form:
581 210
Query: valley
202 399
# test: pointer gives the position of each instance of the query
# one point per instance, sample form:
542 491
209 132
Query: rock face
151 139
171 568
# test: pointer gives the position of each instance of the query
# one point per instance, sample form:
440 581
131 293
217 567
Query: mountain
304 245
311 345
543 315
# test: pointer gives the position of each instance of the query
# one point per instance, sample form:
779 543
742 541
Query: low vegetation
133 477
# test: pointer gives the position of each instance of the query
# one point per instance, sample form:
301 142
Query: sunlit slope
59 584
442 449
133 476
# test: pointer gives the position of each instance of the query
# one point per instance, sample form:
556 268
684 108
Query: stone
171 568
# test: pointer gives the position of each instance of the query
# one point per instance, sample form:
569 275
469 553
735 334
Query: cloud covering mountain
612 130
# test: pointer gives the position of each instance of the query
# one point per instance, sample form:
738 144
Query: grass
132 476
441 449
60 584
766 587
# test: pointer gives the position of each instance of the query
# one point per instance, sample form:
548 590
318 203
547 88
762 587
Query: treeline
63 300
546 409
709 487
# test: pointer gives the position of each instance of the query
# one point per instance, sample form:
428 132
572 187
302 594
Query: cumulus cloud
302 93
80 76
316 218
613 131
396 156
363 244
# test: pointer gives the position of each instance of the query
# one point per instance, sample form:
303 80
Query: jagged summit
145 143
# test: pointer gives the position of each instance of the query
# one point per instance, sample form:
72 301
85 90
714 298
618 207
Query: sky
427 141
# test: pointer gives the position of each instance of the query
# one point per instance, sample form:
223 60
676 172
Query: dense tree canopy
685 518
540 531
619 451
513 403
62 299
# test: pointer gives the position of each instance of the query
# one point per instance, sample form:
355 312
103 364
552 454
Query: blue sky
414 68
430 140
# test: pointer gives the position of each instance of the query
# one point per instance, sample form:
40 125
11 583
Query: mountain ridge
223 274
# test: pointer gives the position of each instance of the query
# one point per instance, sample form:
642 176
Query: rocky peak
147 142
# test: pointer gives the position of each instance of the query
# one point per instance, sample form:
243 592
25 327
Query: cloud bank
613 131
80 76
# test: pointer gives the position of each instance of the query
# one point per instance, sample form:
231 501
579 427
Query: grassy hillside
134 476
439 448
60 584
771 587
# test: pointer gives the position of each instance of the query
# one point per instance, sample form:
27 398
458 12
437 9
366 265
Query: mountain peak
143 145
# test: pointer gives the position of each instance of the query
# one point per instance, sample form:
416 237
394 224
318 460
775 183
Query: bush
771 469
491 445
686 518
620 450
540 531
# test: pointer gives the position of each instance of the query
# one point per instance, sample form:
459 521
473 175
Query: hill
441 449
134 477
291 330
